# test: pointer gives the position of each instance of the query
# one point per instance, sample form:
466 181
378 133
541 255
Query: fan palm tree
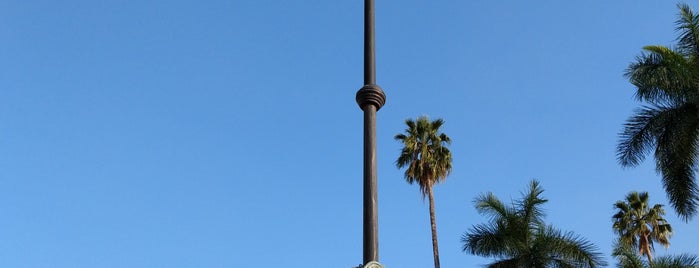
517 237
666 80
627 258
427 161
639 225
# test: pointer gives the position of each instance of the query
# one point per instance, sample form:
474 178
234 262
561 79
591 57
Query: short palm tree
678 261
427 161
667 80
517 237
639 225
627 258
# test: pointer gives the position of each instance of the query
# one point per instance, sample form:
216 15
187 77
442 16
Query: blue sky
226 134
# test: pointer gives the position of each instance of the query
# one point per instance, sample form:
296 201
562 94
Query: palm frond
568 248
676 158
661 229
627 257
688 27
485 240
506 263
530 209
661 75
488 204
679 261
639 134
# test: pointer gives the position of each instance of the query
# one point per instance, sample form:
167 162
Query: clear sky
226 134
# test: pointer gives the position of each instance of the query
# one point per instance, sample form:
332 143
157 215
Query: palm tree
629 259
679 261
427 161
666 79
517 237
639 225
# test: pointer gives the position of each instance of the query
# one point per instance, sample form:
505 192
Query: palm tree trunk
644 243
433 223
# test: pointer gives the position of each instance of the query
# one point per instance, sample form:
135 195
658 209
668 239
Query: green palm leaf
679 261
517 237
668 80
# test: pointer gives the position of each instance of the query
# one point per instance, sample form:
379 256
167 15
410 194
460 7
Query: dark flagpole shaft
370 99
371 215
369 51
371 221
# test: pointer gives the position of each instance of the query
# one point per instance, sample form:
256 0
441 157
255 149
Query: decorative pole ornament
370 99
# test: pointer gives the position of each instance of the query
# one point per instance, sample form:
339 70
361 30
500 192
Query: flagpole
370 99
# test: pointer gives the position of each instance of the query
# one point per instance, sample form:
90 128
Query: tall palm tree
517 237
627 258
639 225
427 161
666 80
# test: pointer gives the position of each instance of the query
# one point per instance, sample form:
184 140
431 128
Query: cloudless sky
226 134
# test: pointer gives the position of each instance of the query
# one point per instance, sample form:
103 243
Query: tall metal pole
370 99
